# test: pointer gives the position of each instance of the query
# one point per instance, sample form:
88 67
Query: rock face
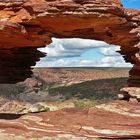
32 23
15 64
117 120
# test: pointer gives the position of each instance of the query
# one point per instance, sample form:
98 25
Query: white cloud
68 53
104 62
110 51
70 47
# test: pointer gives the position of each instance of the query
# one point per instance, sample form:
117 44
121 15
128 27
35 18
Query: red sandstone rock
113 120
25 23
32 23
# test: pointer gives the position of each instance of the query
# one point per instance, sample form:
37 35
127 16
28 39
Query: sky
76 52
131 3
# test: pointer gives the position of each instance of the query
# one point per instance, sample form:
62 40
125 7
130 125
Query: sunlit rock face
25 23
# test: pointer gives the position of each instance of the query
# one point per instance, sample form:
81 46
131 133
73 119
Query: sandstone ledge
113 120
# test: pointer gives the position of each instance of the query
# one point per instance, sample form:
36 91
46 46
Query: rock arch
32 24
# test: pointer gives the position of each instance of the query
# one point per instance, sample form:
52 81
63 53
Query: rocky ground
62 113
116 120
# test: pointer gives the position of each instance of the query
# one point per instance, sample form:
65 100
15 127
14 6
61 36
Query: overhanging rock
33 23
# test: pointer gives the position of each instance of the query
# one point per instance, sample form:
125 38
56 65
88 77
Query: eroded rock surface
32 23
15 64
129 93
113 120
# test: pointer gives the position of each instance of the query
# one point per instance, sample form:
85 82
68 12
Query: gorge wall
32 23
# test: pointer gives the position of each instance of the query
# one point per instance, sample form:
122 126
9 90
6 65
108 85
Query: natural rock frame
32 24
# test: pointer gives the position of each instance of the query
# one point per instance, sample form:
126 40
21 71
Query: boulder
129 92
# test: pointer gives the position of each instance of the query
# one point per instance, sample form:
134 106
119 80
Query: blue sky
131 3
76 52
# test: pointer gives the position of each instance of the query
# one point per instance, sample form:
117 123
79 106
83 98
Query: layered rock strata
33 23
117 120
26 25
